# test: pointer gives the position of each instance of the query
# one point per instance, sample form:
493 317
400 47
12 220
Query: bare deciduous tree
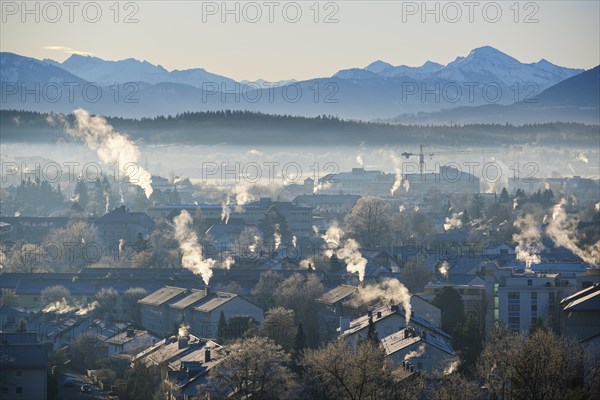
256 368
369 222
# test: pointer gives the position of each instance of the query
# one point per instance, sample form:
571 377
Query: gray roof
358 324
337 294
585 300
397 342
215 302
162 295
192 298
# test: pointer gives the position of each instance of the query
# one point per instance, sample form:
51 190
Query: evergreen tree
504 198
81 194
221 328
372 332
21 326
299 342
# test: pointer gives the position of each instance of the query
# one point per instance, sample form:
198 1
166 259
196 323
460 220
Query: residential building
387 320
447 180
188 360
427 352
327 204
530 298
298 218
581 313
122 224
24 364
129 341
358 182
166 309
155 312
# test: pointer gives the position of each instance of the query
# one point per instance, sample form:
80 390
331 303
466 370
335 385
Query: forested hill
243 127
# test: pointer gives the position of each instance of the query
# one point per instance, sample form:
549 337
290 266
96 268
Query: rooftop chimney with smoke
344 324
183 342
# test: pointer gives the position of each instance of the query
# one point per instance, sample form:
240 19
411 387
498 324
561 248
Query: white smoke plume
276 237
307 263
529 241
228 262
59 307
316 229
225 211
389 291
294 241
324 185
252 247
183 329
359 160
444 267
332 238
355 262
597 206
107 201
86 309
242 197
453 222
397 182
347 250
583 158
121 245
192 258
454 364
111 147
415 353
515 203
401 208
562 229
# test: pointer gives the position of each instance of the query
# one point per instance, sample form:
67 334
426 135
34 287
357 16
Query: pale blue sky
174 35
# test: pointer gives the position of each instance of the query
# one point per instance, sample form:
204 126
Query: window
514 295
19 373
534 307
19 389
514 308
514 320
529 282
533 295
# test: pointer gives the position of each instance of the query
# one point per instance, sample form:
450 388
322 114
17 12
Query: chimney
206 354
406 333
378 314
207 290
394 308
183 342
424 335
130 332
369 313
344 324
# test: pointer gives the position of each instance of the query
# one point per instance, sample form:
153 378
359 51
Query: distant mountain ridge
377 91
574 99
483 64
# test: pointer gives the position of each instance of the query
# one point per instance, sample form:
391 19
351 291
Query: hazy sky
186 34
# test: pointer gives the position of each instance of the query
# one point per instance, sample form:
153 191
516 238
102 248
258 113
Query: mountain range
131 88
